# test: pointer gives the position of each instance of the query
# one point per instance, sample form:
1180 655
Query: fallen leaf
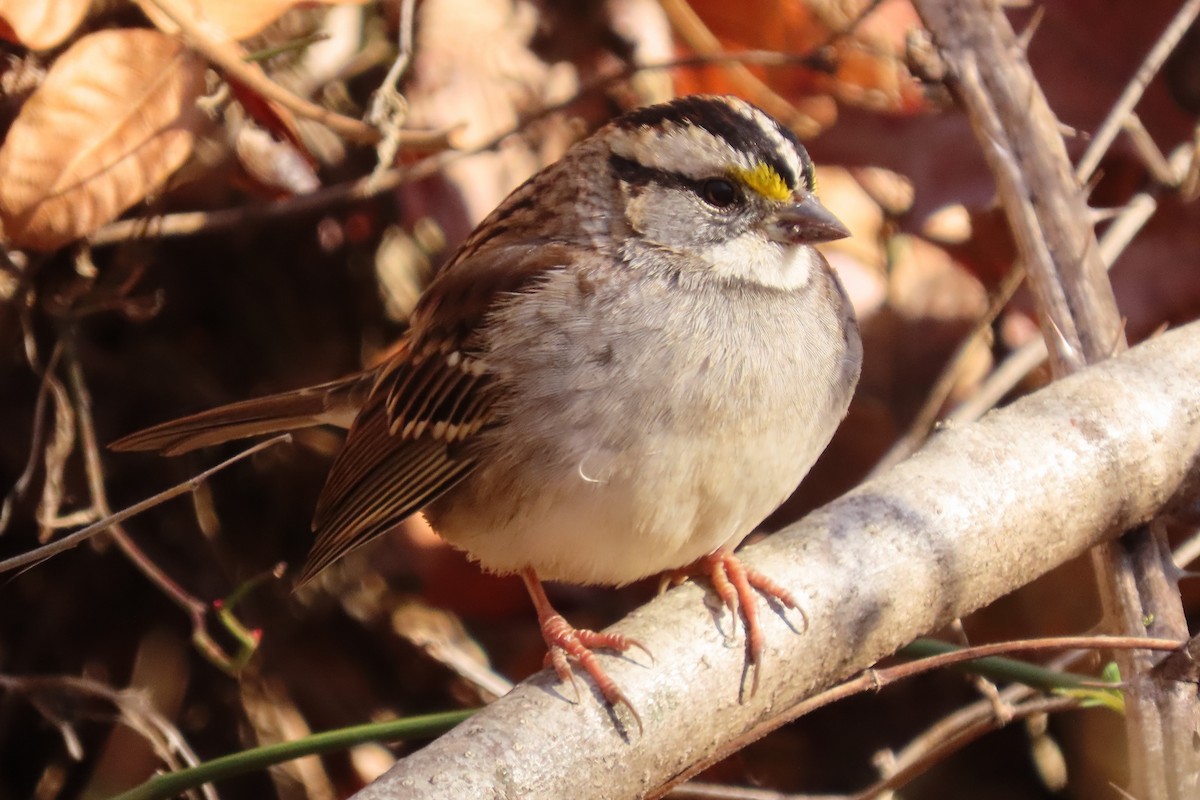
40 24
113 120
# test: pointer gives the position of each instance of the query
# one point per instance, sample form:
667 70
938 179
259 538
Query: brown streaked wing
394 479
378 433
410 444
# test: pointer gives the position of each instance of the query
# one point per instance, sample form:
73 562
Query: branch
982 510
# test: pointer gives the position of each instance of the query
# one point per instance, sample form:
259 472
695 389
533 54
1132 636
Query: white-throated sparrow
625 368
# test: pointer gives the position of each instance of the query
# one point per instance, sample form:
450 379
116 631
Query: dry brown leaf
40 24
114 118
240 19
868 68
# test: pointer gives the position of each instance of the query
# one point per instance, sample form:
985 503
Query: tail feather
333 403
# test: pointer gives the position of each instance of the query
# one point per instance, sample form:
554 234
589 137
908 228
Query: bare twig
937 741
714 791
48 387
200 222
77 410
77 538
1187 551
1118 235
1189 188
230 57
136 711
1030 356
695 33
388 107
54 461
957 732
192 606
1115 121
193 223
1153 159
874 680
25 479
927 417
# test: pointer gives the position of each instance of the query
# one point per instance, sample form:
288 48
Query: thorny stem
1049 218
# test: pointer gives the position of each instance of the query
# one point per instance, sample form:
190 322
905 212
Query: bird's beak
806 222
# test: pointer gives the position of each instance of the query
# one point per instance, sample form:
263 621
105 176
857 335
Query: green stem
1001 668
170 784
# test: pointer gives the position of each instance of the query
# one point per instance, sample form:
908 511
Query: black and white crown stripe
698 136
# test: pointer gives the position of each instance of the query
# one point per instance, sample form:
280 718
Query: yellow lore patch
764 180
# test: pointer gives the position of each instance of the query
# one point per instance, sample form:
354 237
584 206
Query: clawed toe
565 642
736 585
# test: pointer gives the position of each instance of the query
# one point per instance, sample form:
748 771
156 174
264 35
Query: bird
620 373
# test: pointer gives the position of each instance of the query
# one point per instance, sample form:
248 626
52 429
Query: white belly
615 518
622 458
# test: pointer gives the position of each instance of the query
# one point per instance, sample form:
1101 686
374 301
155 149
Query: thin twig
195 608
1187 551
1189 188
691 28
78 537
934 744
877 679
134 706
964 731
192 223
1153 159
697 790
231 57
1117 236
388 106
94 470
1151 64
38 424
889 675
379 108
927 417
1025 359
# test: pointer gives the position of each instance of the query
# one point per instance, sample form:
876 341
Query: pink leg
564 640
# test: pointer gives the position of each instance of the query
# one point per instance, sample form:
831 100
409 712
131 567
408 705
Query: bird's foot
565 642
735 585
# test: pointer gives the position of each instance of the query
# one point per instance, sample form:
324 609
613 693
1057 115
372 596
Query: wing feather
400 484
411 442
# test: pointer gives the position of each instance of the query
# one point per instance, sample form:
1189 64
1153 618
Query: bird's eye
719 192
